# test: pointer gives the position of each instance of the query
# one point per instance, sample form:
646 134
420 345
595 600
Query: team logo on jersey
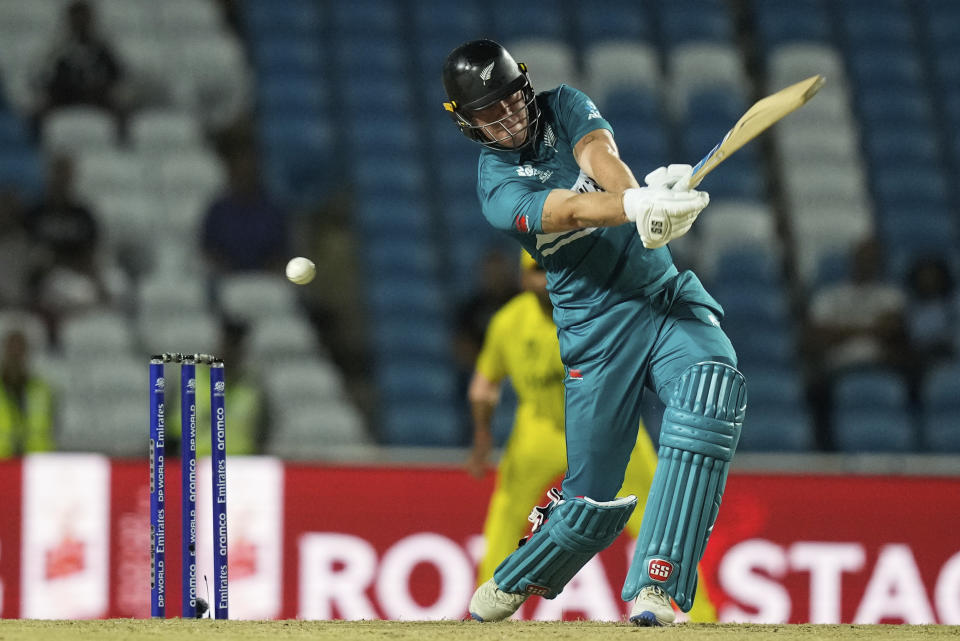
592 111
550 138
532 172
486 73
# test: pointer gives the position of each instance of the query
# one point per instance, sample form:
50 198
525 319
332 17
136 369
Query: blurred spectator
855 323
26 402
66 235
861 321
243 229
15 251
499 281
81 68
932 315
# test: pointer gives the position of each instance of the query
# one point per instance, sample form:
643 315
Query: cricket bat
758 118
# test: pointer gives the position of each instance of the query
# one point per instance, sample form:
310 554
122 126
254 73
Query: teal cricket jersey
588 270
627 320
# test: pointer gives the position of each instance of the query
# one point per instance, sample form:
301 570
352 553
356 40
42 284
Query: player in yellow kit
521 343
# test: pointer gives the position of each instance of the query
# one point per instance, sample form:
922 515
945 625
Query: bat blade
758 118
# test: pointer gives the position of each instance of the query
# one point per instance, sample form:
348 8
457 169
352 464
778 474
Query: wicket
188 470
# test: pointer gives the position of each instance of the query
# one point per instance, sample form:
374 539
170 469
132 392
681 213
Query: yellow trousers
534 456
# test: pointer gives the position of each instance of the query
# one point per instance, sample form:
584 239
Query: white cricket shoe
652 607
490 603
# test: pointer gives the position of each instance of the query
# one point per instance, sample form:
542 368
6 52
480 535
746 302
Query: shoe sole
476 618
646 619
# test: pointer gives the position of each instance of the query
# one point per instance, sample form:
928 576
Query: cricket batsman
521 344
550 176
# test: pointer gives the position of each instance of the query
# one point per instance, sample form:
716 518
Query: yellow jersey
521 343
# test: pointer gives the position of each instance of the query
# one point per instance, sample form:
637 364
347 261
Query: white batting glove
666 208
675 177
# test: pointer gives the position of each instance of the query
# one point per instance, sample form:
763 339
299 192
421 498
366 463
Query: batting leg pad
701 428
575 530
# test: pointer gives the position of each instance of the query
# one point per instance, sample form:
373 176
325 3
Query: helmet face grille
496 134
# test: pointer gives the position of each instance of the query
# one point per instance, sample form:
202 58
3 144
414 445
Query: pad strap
701 428
574 530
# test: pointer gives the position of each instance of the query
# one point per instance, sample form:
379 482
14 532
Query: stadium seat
302 382
697 66
198 172
773 428
695 21
161 293
164 130
195 333
780 22
266 18
860 430
749 266
78 129
284 54
876 389
255 295
316 433
391 292
22 168
941 431
282 338
622 20
612 65
410 336
109 171
550 62
941 388
33 326
366 17
422 423
99 333
531 19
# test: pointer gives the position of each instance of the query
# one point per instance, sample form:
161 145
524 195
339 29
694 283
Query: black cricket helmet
478 74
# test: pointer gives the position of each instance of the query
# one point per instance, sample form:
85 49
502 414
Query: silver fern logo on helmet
486 73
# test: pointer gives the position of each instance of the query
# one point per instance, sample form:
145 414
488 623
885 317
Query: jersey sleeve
511 204
491 361
577 114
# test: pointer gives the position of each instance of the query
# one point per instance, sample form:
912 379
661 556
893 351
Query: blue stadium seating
874 430
513 21
780 22
776 429
941 431
617 20
285 54
873 389
23 168
748 268
403 338
683 21
369 18
422 423
268 18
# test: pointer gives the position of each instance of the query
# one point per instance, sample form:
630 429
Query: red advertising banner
10 518
361 542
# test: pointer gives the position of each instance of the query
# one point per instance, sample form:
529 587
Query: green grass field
136 629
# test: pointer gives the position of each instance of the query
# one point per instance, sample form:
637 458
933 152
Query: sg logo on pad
659 570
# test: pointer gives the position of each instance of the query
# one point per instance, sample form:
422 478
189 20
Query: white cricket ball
301 270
